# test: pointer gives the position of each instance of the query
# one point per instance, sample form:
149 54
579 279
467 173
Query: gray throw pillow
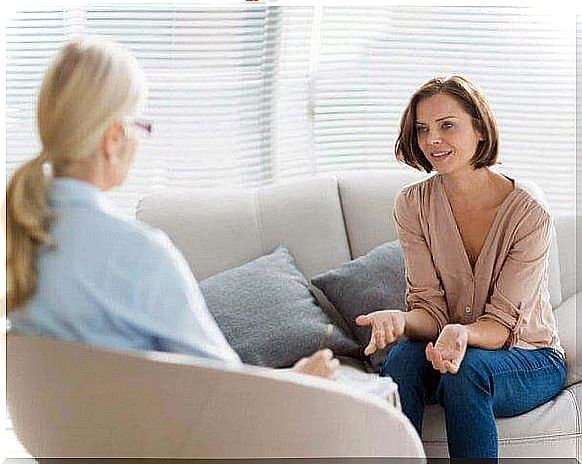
267 313
369 283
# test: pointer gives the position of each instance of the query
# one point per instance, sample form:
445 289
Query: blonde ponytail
89 84
28 217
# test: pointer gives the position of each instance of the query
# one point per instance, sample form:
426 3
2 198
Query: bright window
253 94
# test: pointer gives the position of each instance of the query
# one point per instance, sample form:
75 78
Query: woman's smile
441 154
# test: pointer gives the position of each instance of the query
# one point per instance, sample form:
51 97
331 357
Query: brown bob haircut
475 104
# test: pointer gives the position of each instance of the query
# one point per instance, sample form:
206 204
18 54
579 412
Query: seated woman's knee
472 375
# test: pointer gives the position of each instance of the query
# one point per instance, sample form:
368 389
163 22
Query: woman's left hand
449 349
320 364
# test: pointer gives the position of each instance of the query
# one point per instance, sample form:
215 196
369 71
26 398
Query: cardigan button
468 311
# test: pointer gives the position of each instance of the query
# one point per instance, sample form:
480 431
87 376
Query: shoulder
531 211
137 242
532 200
419 187
535 195
412 195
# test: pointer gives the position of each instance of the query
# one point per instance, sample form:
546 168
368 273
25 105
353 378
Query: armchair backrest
72 400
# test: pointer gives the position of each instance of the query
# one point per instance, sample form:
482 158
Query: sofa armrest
566 320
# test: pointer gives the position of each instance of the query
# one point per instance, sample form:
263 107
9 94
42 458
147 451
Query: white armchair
70 400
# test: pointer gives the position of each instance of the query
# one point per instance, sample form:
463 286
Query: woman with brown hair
480 335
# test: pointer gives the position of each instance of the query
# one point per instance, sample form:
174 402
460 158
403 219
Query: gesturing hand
387 327
449 350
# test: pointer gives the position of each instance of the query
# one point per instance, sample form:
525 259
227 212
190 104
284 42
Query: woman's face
445 133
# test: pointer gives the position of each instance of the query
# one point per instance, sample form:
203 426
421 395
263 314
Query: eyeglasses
146 126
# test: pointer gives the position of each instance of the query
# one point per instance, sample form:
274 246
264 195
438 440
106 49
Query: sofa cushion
367 202
567 329
220 228
306 217
267 313
551 429
566 238
369 283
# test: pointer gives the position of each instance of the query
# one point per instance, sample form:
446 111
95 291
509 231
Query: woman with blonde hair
77 270
481 338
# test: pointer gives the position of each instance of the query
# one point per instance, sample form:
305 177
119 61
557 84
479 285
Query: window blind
292 144
209 96
372 60
252 94
32 38
210 91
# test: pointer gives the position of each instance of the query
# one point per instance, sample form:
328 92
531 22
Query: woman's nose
434 138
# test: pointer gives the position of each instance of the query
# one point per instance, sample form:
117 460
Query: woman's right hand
387 327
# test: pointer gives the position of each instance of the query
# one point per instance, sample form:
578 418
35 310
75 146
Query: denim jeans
489 384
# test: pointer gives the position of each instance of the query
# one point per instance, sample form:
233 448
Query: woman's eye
447 125
421 129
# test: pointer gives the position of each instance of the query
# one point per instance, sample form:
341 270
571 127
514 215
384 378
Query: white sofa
328 220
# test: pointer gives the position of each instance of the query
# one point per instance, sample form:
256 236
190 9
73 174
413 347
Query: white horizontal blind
32 38
292 58
371 60
251 95
210 90
209 96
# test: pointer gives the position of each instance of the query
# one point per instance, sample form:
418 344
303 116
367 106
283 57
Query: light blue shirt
116 282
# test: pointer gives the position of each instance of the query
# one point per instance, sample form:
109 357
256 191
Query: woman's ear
113 141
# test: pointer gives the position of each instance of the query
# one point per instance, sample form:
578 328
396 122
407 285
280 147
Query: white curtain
256 93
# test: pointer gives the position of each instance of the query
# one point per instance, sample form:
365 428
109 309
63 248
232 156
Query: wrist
421 325
459 328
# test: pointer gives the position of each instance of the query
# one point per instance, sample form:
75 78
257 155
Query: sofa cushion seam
344 219
257 203
572 396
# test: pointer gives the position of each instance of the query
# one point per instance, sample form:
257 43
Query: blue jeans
489 384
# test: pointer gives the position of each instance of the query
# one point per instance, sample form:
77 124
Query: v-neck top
509 282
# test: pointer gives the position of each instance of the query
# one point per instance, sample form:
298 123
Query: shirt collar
66 191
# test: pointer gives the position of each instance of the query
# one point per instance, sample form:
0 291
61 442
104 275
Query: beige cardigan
509 283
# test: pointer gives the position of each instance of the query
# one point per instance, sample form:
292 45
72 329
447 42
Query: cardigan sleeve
523 276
